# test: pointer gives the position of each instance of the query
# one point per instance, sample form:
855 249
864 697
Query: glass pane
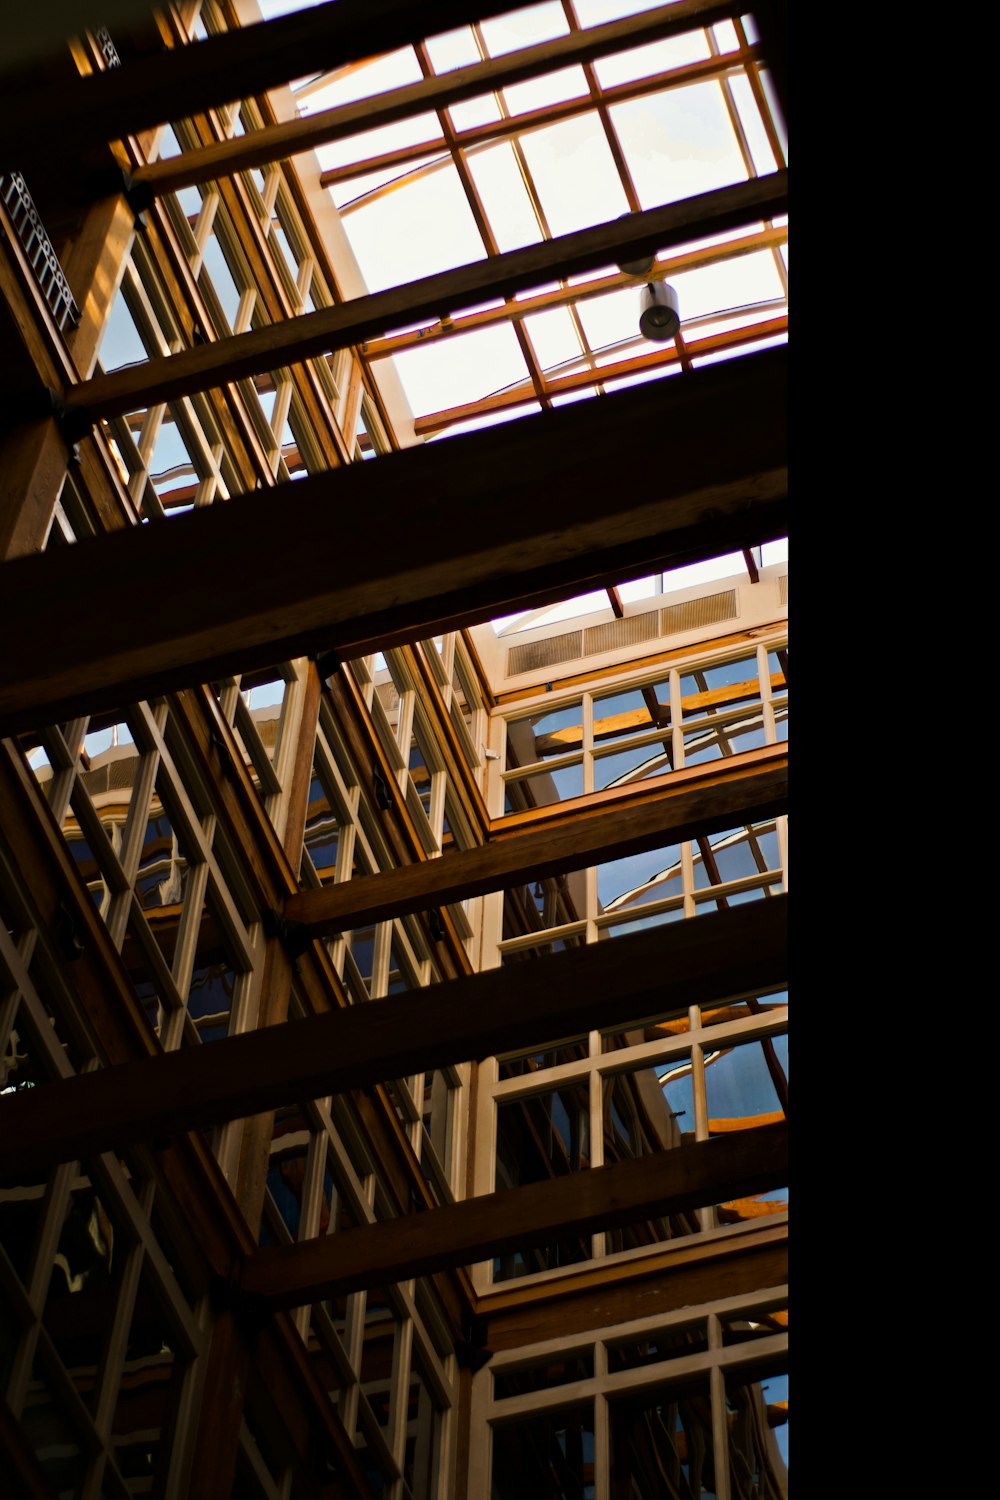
542 735
741 673
210 1001
550 1457
545 787
215 268
638 879
678 143
632 765
758 1435
575 174
546 1135
661 1445
739 1086
322 833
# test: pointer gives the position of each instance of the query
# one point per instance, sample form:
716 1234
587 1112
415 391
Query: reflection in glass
638 879
758 1436
661 1444
549 1457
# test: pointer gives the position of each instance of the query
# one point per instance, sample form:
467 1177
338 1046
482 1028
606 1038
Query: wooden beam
473 138
680 805
37 122
576 292
457 1234
440 295
22 1468
286 138
771 17
437 537
711 958
584 380
667 1277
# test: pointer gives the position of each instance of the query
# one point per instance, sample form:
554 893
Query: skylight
632 128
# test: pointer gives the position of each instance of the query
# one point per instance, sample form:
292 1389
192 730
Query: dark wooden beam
404 547
36 122
710 958
441 295
287 137
771 17
682 805
666 1182
22 1468
667 1277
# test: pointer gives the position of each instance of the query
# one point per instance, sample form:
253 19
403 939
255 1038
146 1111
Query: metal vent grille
38 248
697 612
388 696
121 773
268 731
783 588
614 634
535 654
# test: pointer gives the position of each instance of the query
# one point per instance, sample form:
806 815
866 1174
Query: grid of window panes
619 736
693 1403
601 1097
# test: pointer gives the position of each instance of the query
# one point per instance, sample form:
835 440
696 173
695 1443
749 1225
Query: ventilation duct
549 653
631 630
694 613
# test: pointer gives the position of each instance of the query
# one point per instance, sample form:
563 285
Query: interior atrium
393 750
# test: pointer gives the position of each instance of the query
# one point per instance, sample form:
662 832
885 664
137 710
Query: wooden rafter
177 83
579 291
663 1183
480 137
435 92
744 788
660 358
415 566
443 294
710 958
661 1279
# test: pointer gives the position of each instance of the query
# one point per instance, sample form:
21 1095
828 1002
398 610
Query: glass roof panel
678 143
729 283
415 131
609 319
482 111
725 36
551 88
654 57
452 49
753 126
351 194
422 227
505 197
522 28
447 373
575 174
553 336
536 159
391 71
596 12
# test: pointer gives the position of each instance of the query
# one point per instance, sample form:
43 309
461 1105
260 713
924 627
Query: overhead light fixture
636 267
659 312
